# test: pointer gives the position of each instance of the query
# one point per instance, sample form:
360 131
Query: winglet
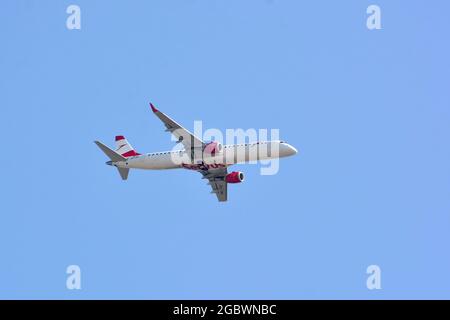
153 107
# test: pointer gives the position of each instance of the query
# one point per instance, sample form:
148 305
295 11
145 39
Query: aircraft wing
217 182
188 140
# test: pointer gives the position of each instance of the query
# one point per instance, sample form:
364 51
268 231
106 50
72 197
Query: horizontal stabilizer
123 172
114 156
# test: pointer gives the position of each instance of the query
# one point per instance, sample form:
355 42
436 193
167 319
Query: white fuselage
231 154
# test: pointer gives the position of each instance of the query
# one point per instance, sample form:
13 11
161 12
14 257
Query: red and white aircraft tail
123 151
115 157
124 148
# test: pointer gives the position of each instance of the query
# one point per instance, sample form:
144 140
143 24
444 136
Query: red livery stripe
130 153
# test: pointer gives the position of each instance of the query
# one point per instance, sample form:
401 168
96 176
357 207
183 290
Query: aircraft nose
292 150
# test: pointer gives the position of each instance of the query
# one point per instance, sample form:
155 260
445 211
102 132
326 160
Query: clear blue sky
369 112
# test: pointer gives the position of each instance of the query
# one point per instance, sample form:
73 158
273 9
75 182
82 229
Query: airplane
211 158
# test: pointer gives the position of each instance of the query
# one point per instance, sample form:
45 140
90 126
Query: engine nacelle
234 177
213 148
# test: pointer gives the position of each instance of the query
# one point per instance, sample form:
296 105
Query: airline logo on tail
124 148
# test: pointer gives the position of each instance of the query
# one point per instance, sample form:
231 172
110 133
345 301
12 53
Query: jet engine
213 148
234 177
